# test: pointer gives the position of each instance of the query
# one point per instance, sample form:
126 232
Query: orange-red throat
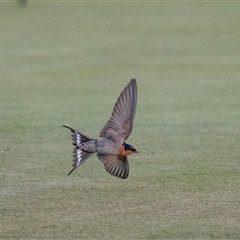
126 150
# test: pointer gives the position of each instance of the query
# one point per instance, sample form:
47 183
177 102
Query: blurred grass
66 63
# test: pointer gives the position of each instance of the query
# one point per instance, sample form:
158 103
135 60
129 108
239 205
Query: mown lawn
66 63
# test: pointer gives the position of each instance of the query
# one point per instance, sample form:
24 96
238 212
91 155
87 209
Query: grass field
66 63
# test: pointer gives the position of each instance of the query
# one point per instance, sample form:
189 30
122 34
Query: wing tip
133 81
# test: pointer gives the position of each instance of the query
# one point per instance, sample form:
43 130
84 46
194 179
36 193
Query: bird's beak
137 151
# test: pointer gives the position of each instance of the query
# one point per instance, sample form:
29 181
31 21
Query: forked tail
79 156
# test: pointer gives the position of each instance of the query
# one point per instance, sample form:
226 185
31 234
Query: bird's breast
123 152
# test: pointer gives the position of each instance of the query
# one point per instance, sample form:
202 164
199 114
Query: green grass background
66 63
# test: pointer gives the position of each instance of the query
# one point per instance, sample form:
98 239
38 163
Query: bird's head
129 149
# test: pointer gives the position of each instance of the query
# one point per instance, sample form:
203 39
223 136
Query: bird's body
110 147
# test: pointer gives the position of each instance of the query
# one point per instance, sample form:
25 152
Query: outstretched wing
116 165
119 126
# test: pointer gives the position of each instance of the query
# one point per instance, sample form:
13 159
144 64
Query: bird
110 147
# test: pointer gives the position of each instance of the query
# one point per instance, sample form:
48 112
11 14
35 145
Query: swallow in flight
110 147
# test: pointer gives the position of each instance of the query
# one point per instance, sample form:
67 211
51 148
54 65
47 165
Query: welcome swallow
110 147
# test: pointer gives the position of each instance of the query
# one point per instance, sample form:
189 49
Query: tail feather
79 156
78 137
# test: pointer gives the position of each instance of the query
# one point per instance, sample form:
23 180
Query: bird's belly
106 146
